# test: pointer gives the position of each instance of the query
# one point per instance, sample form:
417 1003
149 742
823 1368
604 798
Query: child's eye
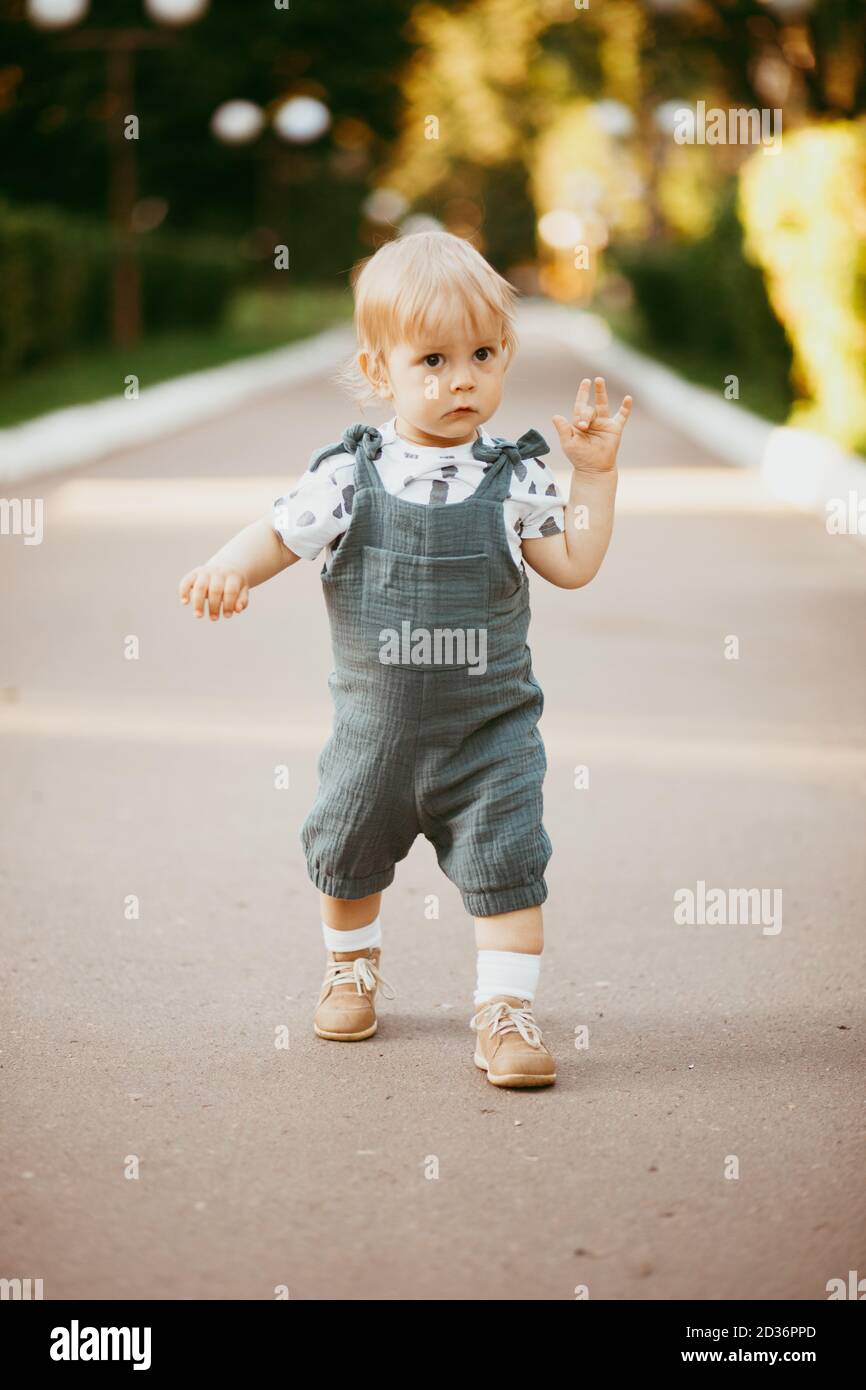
432 359
486 352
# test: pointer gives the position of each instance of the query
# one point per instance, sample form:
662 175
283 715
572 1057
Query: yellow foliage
804 214
575 164
688 189
468 67
622 24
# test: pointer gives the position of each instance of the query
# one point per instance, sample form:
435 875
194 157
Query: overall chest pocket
427 613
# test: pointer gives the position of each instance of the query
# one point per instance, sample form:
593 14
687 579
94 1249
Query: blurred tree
53 116
498 117
806 214
474 97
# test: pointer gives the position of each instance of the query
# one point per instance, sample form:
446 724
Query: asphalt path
161 937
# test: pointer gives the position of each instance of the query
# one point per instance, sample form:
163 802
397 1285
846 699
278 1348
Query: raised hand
590 442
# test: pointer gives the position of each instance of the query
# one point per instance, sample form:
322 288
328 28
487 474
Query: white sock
507 972
357 940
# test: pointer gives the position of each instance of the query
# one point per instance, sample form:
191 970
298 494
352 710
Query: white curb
82 433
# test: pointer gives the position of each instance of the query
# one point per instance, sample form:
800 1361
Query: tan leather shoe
509 1045
346 1009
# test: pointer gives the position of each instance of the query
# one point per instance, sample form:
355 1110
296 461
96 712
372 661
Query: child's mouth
463 410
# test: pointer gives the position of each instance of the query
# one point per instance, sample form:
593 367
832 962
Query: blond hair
410 288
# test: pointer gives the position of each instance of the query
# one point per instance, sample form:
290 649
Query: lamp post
297 120
119 47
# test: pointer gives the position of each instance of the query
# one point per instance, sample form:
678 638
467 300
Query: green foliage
54 116
55 277
188 280
706 301
257 320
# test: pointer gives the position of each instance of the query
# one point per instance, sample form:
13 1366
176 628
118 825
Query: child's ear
371 367
371 370
363 360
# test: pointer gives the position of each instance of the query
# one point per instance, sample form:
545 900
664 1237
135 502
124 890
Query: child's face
443 390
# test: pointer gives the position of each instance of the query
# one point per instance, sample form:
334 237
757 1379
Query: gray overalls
428 736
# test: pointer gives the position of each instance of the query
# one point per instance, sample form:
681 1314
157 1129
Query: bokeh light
56 14
237 122
302 120
561 228
176 11
384 205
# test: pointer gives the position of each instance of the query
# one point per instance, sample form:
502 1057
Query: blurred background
192 182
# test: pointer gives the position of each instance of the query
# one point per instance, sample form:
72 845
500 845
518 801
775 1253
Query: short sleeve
318 510
542 505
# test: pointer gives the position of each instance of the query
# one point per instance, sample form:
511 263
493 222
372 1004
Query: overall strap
321 454
503 455
365 442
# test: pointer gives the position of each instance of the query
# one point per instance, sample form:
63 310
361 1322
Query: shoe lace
504 1018
361 972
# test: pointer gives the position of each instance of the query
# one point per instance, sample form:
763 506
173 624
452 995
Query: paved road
151 1041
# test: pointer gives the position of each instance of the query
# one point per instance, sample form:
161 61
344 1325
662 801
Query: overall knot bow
363 436
529 446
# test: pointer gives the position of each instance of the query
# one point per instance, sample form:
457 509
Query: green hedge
55 283
704 299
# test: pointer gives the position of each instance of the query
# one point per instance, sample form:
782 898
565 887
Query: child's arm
590 444
255 554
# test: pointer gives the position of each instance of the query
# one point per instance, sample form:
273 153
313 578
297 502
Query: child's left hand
592 439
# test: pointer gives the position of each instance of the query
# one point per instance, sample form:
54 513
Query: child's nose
462 379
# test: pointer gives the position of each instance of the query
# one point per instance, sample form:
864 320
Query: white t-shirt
318 510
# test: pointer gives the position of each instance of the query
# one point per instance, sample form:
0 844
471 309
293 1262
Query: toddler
427 525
